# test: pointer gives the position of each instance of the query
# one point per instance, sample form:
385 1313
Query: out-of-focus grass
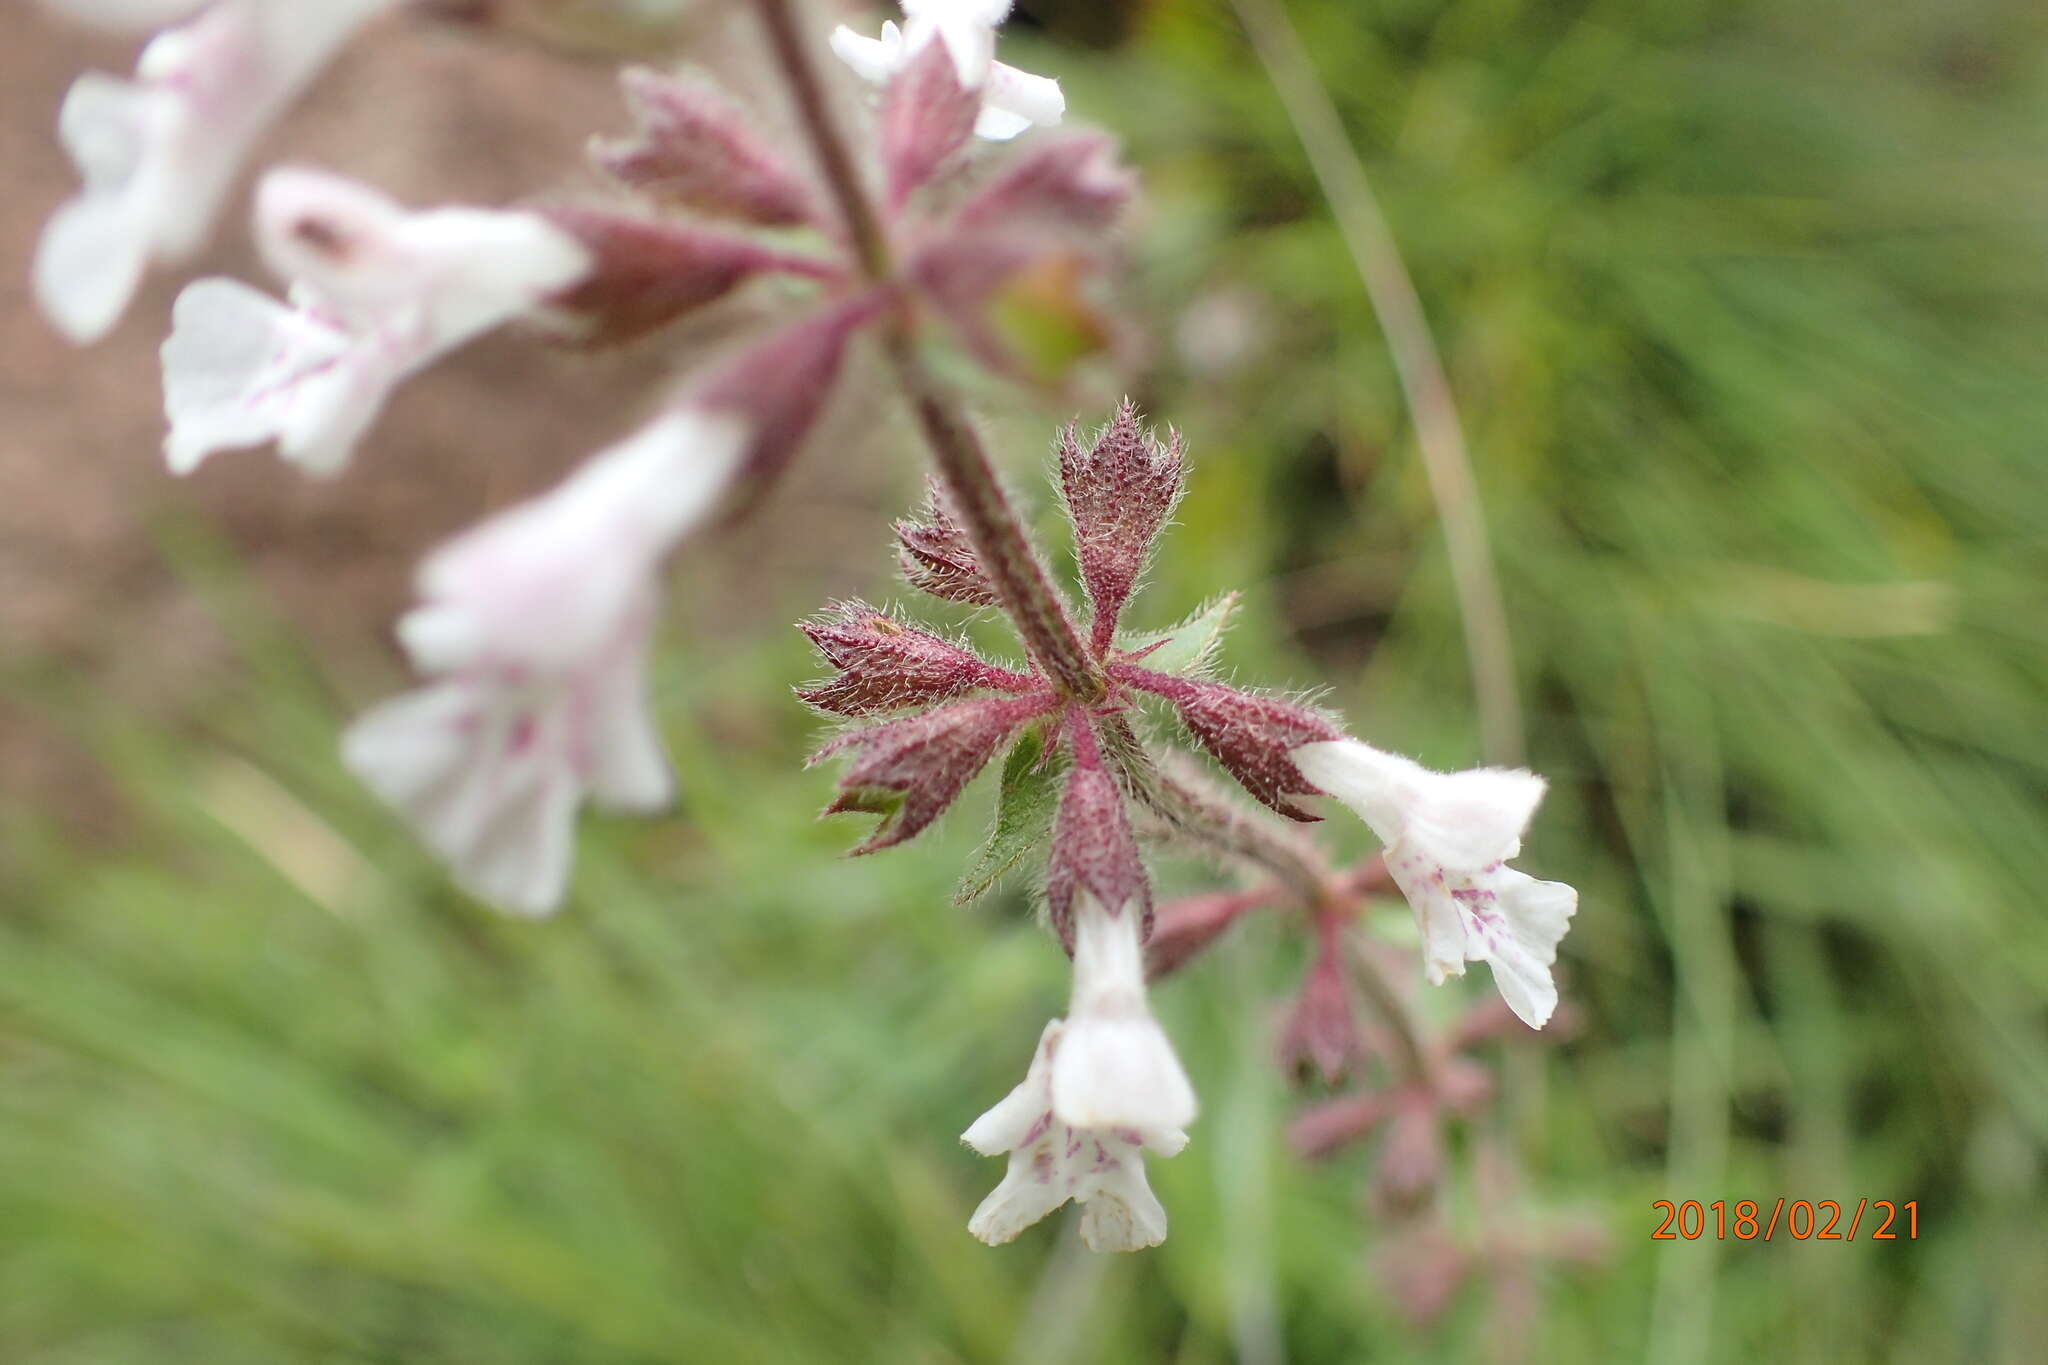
1744 305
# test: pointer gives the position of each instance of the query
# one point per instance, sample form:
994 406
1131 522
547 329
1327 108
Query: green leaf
1190 647
1024 813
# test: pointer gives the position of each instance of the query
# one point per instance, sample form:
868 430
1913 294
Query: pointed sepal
937 558
1249 734
909 770
1073 184
779 385
1093 848
1119 492
927 119
885 665
647 273
694 148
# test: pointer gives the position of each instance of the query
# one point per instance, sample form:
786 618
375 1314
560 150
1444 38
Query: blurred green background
1744 305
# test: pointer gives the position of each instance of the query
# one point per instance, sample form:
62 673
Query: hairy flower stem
791 51
1007 556
993 528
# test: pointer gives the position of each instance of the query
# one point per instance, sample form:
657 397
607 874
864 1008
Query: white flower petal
1021 95
241 369
1114 1067
629 769
124 15
1123 1214
487 785
1120 1073
521 858
88 264
1522 943
1444 946
1474 819
157 154
998 125
1379 787
1013 1121
1023 1196
874 60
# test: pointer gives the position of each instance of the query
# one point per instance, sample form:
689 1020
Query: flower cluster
1105 1084
533 629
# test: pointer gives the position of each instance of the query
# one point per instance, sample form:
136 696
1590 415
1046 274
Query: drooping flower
1448 837
156 154
1011 100
1053 1160
377 294
535 628
1116 1069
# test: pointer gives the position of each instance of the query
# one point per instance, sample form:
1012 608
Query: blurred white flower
1011 100
123 15
157 153
1448 837
1116 1069
1052 1161
535 625
377 294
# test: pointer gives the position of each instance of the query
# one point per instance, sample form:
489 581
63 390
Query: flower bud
1321 1028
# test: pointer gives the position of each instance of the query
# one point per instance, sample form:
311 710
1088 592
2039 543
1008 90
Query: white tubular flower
157 153
1448 837
378 293
535 626
1052 1161
1116 1069
1011 100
